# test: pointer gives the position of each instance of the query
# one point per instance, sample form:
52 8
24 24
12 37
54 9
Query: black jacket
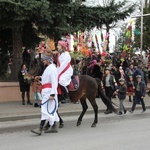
23 83
122 91
97 73
111 81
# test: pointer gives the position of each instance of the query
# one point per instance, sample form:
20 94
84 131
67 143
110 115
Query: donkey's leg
84 109
95 108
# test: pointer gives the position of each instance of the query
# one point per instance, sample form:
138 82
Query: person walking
130 83
109 84
65 70
140 90
24 84
122 89
49 106
138 71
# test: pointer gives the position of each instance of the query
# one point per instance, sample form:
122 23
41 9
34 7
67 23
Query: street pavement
10 111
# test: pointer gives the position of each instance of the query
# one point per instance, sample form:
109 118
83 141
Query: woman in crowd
129 81
24 85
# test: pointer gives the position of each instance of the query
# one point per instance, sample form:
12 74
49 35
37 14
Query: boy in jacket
122 89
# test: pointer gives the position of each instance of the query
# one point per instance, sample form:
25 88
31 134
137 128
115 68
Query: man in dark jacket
140 90
138 71
109 84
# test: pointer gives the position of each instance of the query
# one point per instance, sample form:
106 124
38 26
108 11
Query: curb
62 114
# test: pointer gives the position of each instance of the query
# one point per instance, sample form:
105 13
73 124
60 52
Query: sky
114 32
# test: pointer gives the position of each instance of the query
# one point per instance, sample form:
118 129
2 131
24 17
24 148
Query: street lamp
141 40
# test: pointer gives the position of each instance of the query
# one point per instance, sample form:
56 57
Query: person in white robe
65 70
49 106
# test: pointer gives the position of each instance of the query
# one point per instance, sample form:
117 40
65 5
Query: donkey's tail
104 98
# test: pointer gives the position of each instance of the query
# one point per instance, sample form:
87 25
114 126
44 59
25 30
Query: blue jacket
142 89
122 91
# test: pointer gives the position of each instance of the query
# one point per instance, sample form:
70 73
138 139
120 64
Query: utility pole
141 16
141 40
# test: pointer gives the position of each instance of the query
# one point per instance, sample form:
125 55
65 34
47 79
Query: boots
36 105
65 91
133 98
148 93
23 102
52 129
130 99
125 111
46 127
61 125
29 103
108 111
37 131
120 113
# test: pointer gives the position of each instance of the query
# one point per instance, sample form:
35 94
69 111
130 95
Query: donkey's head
36 69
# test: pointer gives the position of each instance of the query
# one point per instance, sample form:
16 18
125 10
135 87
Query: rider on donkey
65 70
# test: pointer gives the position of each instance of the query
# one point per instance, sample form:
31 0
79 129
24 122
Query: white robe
65 78
50 75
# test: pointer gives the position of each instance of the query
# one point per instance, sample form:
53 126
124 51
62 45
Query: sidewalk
10 111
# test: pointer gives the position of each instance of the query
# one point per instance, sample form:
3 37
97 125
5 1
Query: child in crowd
122 89
36 88
122 74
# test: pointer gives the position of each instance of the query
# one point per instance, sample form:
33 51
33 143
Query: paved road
128 132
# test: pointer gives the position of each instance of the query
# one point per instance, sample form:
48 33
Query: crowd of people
129 77
121 78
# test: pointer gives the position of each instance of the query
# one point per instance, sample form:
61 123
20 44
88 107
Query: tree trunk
17 52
